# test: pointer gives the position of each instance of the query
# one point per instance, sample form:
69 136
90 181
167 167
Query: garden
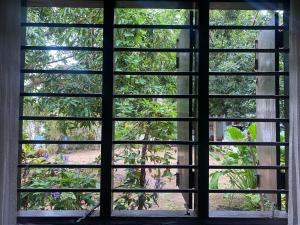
73 106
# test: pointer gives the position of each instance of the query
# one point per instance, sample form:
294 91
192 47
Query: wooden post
218 130
183 111
10 11
265 108
294 147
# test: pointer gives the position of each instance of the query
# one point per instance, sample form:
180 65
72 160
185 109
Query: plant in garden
55 178
238 155
150 107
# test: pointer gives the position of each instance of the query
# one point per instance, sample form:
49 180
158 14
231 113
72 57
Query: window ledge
151 217
247 214
151 213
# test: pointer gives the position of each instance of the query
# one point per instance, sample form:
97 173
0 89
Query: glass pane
241 17
232 62
135 38
58 200
62 130
154 201
232 85
152 16
145 61
149 107
64 15
63 60
244 155
239 202
161 85
63 106
243 108
159 130
63 83
60 178
57 36
61 153
145 178
154 154
233 38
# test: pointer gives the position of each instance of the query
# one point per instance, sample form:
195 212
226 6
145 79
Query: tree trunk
142 197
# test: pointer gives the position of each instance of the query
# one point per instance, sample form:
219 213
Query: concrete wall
294 148
183 111
9 98
265 108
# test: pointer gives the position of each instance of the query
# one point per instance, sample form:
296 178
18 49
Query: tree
234 62
81 107
128 84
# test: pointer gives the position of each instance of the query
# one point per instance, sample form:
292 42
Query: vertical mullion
277 107
203 110
191 65
21 98
286 92
107 111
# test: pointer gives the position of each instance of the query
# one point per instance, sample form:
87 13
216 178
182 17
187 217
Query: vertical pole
184 129
203 109
277 107
294 114
107 111
266 108
191 67
10 19
286 91
21 101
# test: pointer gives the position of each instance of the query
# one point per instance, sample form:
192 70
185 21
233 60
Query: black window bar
199 115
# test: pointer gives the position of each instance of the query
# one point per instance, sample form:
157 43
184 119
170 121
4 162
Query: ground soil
169 201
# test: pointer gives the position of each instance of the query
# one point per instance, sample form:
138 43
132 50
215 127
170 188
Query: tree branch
59 60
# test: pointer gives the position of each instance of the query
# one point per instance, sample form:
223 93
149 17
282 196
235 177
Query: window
154 109
248 109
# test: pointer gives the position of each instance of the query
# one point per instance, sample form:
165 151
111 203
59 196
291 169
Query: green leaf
214 180
252 131
214 155
167 173
235 133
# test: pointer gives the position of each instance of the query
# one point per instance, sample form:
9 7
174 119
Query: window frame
203 142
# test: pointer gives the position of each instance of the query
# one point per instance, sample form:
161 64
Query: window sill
151 213
68 217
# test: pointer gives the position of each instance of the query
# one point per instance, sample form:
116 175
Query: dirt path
82 156
169 201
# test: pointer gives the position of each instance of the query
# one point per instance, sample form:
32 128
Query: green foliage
145 154
237 155
255 201
240 155
234 62
128 84
235 133
55 178
91 107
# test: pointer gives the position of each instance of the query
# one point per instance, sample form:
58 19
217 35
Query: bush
56 178
239 155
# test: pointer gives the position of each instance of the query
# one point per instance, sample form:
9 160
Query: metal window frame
108 96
